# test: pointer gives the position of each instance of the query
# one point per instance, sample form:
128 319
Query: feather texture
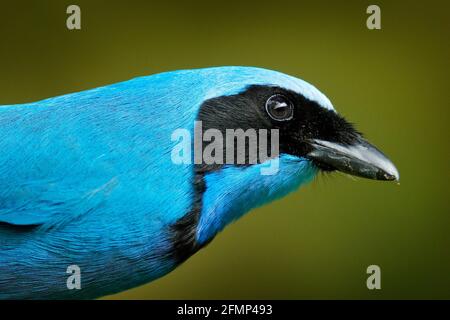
87 179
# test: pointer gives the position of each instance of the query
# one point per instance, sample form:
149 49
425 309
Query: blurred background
317 242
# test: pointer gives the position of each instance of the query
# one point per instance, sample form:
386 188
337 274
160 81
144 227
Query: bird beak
359 159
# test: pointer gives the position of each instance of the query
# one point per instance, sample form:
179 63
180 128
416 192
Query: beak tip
390 177
392 174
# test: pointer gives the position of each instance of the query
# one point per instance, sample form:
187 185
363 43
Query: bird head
306 121
311 137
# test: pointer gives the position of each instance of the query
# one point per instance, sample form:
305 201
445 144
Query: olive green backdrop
317 242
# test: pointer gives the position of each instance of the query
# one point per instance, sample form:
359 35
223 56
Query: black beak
359 159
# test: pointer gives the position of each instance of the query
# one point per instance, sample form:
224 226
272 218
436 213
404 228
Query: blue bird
88 179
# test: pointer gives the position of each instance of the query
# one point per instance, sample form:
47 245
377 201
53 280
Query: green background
317 242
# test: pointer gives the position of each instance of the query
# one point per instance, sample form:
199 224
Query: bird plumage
87 179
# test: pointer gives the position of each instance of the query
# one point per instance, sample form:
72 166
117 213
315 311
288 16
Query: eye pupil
279 108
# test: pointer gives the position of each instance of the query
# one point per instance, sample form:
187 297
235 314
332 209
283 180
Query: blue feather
87 179
234 191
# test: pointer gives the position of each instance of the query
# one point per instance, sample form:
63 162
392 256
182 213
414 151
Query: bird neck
233 191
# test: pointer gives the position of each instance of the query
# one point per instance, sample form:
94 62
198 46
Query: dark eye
280 108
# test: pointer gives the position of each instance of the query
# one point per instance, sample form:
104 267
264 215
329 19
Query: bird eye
280 108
